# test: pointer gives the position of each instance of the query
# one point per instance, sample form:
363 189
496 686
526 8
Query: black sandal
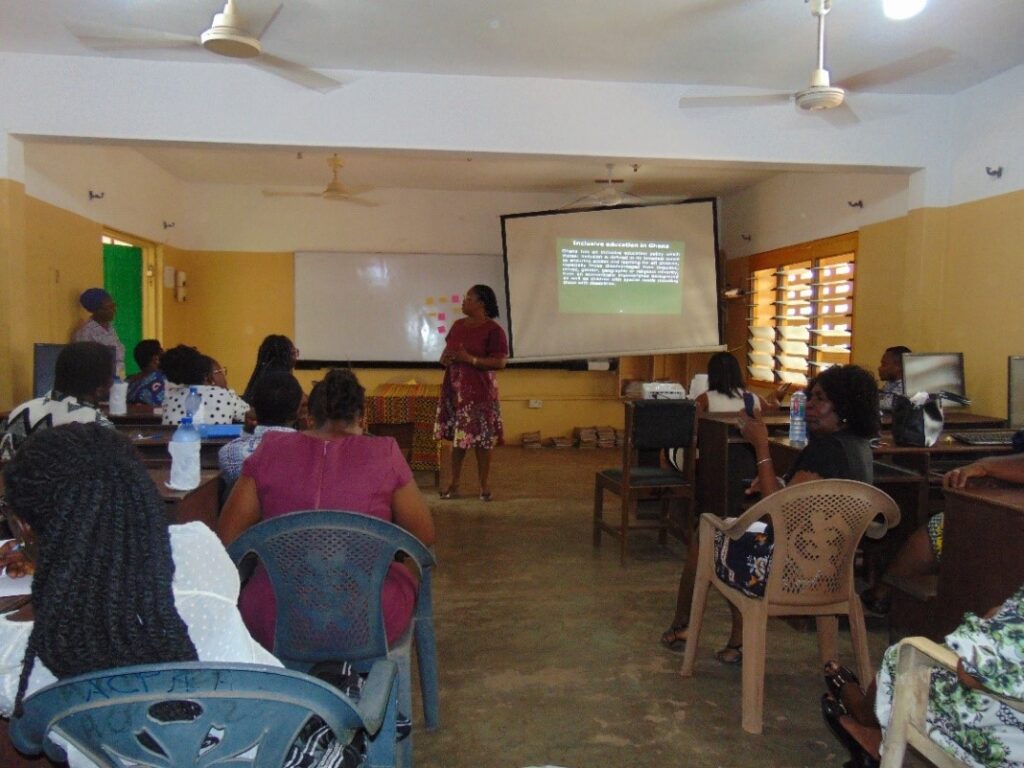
831 710
731 654
879 606
837 678
670 638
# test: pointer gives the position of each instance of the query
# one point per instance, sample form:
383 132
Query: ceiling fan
229 35
334 190
610 193
821 96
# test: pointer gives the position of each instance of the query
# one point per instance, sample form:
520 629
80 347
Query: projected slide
620 276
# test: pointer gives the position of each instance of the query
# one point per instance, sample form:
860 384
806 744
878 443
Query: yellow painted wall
234 301
947 280
49 256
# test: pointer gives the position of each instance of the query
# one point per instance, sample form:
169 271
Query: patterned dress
468 412
978 729
51 410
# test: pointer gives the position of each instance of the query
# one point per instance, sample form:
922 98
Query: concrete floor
548 648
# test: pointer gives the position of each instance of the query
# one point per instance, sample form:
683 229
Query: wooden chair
817 527
651 425
918 657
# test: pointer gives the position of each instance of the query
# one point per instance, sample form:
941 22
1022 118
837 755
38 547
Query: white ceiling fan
334 190
229 35
611 193
821 96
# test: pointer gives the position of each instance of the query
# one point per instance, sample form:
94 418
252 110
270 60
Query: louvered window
800 318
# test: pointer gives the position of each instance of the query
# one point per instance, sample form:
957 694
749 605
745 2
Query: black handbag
916 425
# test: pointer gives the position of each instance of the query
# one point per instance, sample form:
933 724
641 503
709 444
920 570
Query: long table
151 441
402 405
725 457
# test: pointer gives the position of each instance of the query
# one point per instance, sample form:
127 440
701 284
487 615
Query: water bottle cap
186 421
193 390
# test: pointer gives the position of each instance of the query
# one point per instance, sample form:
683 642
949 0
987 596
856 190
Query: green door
122 279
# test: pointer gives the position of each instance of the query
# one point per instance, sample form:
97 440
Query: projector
663 390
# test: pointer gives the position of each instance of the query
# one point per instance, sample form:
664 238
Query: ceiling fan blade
111 37
841 116
282 193
901 69
270 20
296 73
353 200
749 100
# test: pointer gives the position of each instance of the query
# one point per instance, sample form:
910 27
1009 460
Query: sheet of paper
9 586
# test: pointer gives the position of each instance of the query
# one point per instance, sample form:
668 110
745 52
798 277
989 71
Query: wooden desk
137 414
402 404
151 442
981 562
202 503
724 459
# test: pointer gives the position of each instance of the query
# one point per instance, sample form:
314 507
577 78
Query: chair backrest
817 527
657 424
327 568
165 714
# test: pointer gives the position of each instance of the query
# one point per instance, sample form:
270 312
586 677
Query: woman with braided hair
114 584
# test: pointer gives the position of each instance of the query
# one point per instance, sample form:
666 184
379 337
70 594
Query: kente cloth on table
403 403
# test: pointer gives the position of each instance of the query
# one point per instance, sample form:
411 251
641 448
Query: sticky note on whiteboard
441 329
429 301
441 316
456 299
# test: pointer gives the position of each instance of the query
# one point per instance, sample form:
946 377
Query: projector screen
605 282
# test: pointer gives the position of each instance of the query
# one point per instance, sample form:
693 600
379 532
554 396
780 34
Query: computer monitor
934 372
44 367
1015 391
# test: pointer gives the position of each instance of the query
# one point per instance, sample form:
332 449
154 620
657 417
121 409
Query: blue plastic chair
163 714
327 568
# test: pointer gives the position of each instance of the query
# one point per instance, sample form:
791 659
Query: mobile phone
748 403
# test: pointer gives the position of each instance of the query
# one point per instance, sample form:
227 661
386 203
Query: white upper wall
232 103
943 142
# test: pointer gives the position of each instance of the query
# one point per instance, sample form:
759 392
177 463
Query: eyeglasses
222 371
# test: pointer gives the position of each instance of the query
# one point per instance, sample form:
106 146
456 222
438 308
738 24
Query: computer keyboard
985 437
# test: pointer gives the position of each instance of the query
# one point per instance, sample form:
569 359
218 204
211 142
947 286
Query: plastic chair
164 714
650 425
817 527
918 656
327 568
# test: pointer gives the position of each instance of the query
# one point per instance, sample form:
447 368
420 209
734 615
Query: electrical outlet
535 403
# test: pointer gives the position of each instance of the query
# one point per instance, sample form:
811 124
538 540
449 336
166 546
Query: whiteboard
385 307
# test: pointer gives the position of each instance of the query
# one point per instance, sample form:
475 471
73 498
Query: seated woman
147 386
276 353
726 388
332 466
961 717
114 585
921 552
842 417
186 367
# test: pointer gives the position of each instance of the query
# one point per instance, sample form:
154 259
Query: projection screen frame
719 279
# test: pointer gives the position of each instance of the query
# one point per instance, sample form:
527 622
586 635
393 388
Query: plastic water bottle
193 402
798 418
117 400
184 449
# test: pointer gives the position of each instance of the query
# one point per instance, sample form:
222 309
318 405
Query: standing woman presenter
468 412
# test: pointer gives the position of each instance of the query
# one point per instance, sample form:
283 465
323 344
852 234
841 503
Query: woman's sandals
451 492
731 654
674 638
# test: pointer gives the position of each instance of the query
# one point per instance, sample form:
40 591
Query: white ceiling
766 44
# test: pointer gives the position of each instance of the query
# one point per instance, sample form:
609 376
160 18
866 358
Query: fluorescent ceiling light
902 9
